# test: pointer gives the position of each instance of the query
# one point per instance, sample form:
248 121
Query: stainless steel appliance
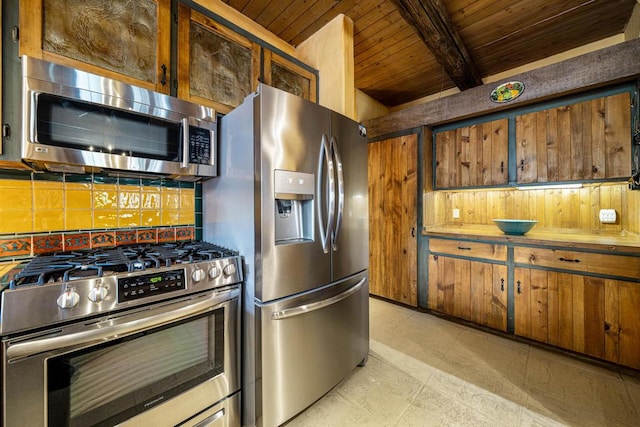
299 173
132 335
74 121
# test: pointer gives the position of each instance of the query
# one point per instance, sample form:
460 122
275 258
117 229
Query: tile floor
426 371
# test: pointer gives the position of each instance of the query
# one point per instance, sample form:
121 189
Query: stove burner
74 265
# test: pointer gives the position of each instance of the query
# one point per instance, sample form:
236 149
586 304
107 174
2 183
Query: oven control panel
145 285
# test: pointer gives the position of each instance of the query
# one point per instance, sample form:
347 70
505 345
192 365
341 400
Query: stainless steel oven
162 350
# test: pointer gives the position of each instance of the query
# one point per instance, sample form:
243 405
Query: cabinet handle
568 260
413 232
163 80
607 326
464 248
519 290
502 167
435 257
501 285
522 165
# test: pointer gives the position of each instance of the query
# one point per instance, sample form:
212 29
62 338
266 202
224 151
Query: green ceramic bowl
516 227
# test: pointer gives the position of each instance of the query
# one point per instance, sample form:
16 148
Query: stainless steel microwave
78 122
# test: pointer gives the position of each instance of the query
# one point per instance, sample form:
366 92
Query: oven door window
111 383
63 122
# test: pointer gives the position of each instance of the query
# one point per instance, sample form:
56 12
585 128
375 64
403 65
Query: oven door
171 361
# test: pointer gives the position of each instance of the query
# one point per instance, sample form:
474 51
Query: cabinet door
471 290
286 75
472 156
583 141
393 189
589 315
216 66
124 40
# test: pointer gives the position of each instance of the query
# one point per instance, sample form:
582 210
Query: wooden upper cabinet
216 66
589 140
473 156
286 75
124 40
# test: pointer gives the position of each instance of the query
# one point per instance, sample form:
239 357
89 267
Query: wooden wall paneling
629 323
376 176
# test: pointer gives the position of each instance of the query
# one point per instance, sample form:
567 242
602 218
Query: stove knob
229 270
69 298
214 272
98 293
198 275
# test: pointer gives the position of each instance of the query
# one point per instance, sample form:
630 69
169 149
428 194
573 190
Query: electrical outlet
607 216
456 213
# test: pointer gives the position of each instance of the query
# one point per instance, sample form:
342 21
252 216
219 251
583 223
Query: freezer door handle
340 176
325 156
306 308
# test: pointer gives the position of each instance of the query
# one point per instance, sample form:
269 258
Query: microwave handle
185 143
109 332
33 128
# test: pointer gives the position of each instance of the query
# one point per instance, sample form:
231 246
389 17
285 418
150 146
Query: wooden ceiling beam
433 24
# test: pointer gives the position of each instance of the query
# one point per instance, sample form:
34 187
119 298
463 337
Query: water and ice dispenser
294 213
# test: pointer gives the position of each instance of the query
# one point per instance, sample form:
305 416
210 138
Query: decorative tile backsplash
51 212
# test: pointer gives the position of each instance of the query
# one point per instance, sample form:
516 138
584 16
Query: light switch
608 216
456 213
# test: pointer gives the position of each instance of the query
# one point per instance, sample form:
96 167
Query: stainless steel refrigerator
291 196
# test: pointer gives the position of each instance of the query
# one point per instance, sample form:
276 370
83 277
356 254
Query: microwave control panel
200 143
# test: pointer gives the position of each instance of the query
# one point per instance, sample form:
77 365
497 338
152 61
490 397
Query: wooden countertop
599 242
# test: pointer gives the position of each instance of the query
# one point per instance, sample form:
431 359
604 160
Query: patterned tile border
185 234
31 245
47 243
166 235
15 246
77 241
148 236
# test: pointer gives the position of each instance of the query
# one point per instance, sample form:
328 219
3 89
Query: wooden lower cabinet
590 315
471 290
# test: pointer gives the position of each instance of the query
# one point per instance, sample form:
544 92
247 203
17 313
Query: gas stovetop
61 286
76 265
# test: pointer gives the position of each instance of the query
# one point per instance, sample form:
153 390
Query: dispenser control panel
287 182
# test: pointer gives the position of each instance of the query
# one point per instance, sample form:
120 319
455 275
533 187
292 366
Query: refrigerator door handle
306 308
325 155
340 178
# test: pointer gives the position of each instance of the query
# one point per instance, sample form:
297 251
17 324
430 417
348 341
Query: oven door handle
306 308
106 331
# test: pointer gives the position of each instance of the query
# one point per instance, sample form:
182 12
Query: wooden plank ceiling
408 49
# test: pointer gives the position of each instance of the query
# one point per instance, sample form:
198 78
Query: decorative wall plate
507 92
